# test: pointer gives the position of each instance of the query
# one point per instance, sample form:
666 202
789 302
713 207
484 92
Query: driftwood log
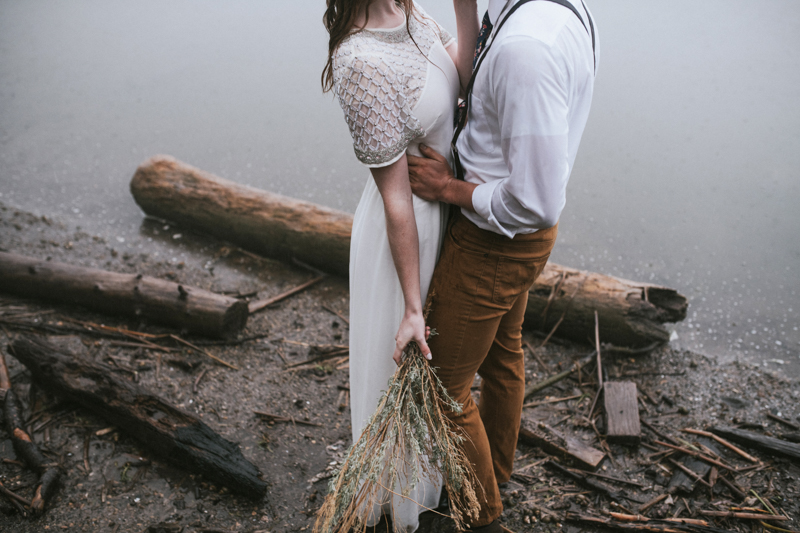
48 471
196 310
266 223
178 437
631 313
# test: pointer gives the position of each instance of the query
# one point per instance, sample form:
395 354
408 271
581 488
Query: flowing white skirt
376 308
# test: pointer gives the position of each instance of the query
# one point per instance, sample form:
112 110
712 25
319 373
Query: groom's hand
432 179
429 174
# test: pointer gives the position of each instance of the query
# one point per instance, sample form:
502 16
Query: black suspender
496 31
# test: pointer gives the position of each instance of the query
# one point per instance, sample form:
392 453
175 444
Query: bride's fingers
398 355
423 346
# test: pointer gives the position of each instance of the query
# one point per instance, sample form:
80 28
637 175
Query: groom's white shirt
530 103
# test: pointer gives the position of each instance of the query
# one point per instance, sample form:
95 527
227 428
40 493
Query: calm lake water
687 176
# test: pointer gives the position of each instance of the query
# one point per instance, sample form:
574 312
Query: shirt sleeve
372 96
529 84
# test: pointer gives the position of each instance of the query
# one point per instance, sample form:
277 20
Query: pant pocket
514 277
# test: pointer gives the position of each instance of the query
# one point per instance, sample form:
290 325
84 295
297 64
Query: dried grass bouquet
409 425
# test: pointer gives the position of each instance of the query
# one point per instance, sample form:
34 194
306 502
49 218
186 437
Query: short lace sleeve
376 108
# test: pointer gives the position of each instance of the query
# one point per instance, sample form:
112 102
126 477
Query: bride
397 75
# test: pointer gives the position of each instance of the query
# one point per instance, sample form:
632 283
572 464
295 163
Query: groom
527 106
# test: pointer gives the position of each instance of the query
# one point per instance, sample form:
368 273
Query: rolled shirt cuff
482 203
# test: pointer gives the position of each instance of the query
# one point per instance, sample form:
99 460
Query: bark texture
631 313
164 302
266 223
178 437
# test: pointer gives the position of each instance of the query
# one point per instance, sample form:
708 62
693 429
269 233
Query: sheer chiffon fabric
395 94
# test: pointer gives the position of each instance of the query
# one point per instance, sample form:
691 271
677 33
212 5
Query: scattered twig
597 350
552 400
337 313
783 421
197 380
323 357
630 351
689 472
736 490
536 387
86 442
14 496
723 442
611 478
258 305
744 516
648 505
659 434
204 352
701 456
290 420
588 483
536 355
148 346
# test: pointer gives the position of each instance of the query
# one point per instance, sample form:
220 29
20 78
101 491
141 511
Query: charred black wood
178 437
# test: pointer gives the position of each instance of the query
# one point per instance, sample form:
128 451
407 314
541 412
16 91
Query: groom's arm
530 89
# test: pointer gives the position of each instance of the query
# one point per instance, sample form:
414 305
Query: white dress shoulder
396 93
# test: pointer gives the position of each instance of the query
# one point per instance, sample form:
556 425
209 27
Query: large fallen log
178 437
197 310
631 313
266 223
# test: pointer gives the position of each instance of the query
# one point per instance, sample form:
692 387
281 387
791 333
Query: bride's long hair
339 20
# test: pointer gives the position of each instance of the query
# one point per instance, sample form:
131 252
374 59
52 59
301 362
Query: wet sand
127 489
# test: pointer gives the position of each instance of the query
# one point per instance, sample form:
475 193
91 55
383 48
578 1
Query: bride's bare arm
401 226
463 51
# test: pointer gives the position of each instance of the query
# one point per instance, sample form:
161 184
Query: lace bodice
379 77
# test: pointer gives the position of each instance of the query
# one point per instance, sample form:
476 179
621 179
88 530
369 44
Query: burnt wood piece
682 482
631 313
178 437
566 448
48 471
584 481
163 302
765 444
622 412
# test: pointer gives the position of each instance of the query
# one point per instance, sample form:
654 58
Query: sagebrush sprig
408 426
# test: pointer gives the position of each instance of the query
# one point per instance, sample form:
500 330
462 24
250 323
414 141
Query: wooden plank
569 448
769 445
622 412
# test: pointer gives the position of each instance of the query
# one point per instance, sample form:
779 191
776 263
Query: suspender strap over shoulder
495 32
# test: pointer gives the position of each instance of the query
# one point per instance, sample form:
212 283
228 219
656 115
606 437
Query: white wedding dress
396 93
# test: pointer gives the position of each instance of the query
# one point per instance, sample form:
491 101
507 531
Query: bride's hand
412 328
